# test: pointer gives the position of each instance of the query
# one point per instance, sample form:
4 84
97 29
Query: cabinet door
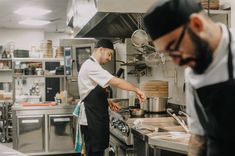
52 87
30 133
60 133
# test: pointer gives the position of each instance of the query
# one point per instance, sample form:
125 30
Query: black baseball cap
104 43
166 15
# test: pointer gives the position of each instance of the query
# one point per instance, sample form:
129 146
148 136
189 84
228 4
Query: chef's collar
222 48
94 59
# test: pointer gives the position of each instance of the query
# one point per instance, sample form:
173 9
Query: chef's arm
122 84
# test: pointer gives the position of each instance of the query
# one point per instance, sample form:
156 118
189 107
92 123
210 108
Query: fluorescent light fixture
34 22
32 12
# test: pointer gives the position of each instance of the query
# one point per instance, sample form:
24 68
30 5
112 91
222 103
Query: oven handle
112 151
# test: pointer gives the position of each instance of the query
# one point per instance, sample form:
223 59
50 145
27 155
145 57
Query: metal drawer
60 133
30 132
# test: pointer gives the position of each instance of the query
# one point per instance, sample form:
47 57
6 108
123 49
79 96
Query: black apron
96 108
215 105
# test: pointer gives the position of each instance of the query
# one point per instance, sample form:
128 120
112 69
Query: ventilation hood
108 18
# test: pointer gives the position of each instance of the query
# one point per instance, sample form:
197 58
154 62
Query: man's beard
203 57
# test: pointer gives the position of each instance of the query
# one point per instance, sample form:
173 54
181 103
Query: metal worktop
61 106
170 142
160 134
29 110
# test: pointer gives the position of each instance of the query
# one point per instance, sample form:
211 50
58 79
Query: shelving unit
6 102
23 81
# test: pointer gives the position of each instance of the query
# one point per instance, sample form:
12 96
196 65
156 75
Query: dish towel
78 139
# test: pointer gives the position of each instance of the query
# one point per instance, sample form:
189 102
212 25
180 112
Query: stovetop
126 115
121 124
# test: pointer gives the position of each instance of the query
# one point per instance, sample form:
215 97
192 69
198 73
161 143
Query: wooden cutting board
155 88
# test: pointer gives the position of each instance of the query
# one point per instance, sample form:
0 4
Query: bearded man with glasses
183 30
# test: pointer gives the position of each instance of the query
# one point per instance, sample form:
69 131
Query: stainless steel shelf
38 59
5 70
8 101
5 59
219 12
38 76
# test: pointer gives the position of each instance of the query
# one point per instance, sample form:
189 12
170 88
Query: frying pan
134 111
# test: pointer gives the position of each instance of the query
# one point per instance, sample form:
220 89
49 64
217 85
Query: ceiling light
32 12
34 22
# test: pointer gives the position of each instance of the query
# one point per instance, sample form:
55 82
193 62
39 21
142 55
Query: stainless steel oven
119 148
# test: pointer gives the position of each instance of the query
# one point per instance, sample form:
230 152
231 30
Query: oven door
118 148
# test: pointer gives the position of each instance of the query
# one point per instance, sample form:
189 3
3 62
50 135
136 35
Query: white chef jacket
90 75
216 72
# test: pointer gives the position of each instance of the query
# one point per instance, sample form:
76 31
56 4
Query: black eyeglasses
172 52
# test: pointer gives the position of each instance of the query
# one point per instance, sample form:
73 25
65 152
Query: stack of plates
59 52
46 48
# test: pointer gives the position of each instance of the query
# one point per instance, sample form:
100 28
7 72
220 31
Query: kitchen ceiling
8 19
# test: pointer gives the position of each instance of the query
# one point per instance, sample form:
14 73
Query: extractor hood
108 18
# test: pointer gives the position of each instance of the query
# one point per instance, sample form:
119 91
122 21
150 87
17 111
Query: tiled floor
70 154
8 144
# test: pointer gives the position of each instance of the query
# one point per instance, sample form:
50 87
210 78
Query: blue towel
78 140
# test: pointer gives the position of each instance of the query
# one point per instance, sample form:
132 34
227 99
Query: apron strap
230 58
91 59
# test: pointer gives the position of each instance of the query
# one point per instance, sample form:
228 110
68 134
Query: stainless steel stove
121 124
121 138
120 127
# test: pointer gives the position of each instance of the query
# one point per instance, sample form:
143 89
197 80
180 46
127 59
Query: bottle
4 54
57 98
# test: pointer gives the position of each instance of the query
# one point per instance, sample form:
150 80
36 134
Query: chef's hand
140 95
114 106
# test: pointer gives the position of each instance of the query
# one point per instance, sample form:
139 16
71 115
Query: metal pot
156 104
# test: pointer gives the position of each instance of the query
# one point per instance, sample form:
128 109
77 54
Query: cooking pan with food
134 111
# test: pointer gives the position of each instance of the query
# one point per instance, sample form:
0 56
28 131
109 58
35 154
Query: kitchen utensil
155 59
139 38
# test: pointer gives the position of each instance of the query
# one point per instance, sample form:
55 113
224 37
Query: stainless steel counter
40 130
170 141
7 151
158 135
